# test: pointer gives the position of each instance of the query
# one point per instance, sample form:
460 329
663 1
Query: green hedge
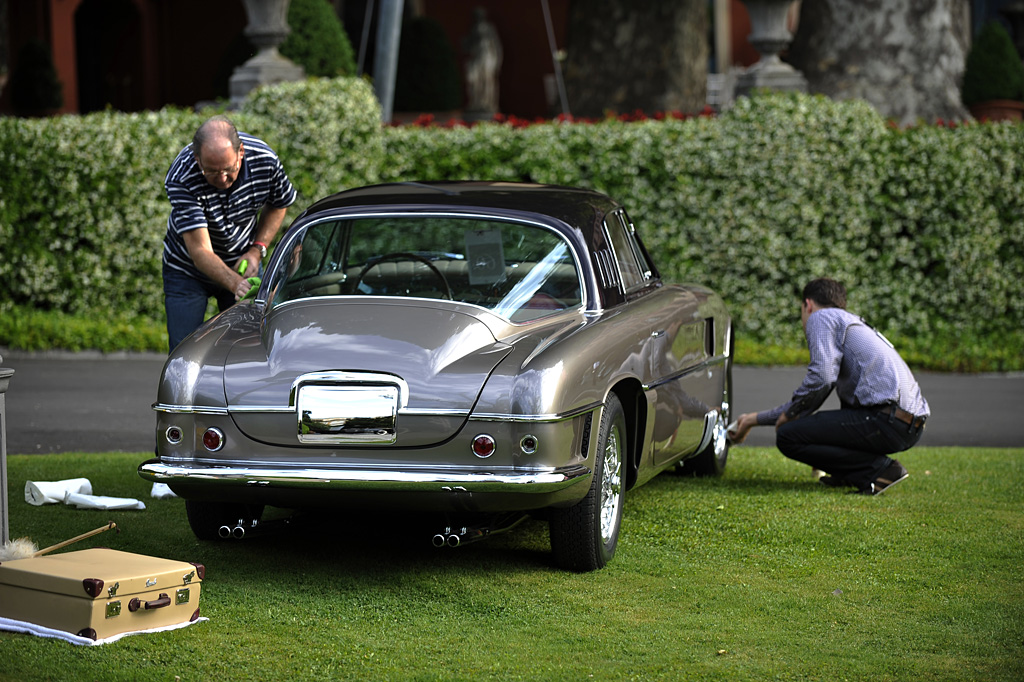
923 224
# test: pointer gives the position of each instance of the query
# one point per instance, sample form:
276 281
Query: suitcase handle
159 603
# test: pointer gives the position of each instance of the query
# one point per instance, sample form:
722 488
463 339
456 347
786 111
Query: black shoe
836 482
892 475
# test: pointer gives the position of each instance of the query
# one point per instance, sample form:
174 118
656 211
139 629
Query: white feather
22 548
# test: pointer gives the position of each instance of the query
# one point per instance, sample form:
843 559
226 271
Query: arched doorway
109 54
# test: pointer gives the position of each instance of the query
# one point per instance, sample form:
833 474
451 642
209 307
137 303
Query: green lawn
762 574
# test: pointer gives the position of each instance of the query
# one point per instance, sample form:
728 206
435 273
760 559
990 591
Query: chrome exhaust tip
437 540
224 532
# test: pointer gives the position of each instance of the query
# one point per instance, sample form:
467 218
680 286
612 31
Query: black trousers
852 444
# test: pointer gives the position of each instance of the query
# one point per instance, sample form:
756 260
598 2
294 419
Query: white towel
100 502
11 625
52 492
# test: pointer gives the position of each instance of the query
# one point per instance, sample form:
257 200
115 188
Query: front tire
584 536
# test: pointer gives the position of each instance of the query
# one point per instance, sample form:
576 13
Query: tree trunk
905 57
625 55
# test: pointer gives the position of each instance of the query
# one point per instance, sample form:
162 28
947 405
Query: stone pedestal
268 27
769 36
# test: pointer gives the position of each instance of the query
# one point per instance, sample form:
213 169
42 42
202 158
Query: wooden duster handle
83 536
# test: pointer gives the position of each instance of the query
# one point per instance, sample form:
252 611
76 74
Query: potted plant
994 76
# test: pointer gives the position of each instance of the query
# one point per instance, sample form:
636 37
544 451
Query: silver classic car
478 352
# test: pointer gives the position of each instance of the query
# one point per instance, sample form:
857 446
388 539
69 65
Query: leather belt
906 417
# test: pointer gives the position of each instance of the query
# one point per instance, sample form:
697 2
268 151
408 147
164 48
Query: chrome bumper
543 482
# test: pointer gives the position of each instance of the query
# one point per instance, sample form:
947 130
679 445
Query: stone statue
483 63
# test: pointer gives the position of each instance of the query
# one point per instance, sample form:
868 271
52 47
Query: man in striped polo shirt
228 193
883 411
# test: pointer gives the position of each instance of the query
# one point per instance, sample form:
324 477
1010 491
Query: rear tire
584 536
206 518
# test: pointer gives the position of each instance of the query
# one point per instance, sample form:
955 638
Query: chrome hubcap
611 485
721 431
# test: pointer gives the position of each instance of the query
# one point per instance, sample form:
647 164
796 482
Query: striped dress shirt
850 356
229 215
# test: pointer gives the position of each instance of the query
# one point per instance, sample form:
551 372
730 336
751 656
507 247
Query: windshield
519 271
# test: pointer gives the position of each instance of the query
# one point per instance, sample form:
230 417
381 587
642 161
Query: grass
759 575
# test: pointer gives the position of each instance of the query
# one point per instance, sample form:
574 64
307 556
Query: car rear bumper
195 475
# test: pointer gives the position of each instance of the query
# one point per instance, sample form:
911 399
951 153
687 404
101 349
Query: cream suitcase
99 593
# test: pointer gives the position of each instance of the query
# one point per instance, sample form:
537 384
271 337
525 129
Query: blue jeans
185 300
851 444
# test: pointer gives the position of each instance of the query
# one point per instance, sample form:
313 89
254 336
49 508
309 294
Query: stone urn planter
769 35
267 28
998 110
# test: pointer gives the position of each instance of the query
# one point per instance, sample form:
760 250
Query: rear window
519 271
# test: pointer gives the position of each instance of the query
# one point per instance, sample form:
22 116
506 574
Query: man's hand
781 420
741 427
242 288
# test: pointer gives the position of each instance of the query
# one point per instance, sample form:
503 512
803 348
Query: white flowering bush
326 130
925 225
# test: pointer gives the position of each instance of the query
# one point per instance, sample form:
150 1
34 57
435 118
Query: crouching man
882 409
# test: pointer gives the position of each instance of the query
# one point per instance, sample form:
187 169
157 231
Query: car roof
582 209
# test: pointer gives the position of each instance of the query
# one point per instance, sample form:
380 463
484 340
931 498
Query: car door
676 345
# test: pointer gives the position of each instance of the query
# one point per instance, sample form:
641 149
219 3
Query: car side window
633 265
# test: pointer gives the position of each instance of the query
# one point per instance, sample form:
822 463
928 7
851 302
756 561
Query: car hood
441 355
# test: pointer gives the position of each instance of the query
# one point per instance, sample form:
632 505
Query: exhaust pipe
237 531
462 535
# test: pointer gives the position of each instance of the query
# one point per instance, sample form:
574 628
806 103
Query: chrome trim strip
534 418
539 481
290 409
266 409
191 409
710 362
409 411
425 412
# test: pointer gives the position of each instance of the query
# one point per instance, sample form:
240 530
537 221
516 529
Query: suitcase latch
112 590
181 596
113 608
187 578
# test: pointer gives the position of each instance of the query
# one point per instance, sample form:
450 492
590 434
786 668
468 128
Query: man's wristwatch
263 249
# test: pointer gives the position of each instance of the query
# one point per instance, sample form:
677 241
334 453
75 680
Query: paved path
92 403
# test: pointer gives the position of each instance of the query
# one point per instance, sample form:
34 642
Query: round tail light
174 435
483 446
213 439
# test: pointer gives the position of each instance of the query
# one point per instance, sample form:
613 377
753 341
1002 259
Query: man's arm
200 249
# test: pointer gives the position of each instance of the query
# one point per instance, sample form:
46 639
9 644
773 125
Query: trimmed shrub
318 42
922 224
994 69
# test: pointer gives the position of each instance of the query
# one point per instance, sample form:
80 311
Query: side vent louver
709 336
606 268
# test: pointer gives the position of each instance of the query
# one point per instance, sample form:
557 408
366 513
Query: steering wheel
400 256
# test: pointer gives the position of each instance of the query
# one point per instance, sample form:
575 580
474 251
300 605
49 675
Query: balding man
228 193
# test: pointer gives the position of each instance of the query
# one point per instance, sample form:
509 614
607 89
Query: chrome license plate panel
347 414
